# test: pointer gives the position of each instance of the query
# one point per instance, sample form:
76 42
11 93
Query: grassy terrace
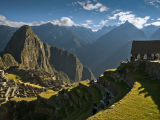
87 111
142 102
50 94
24 78
123 89
26 99
70 109
61 113
46 106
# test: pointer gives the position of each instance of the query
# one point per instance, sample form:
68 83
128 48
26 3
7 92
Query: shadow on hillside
150 88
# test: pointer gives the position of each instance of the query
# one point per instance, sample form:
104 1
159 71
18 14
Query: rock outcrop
30 52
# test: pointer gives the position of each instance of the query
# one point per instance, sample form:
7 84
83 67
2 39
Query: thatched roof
145 47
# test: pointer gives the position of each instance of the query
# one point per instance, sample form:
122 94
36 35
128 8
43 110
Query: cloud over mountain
124 16
65 21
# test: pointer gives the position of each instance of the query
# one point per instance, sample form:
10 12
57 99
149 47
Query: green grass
70 109
50 95
142 102
20 99
46 106
76 105
71 115
61 113
23 79
74 93
97 98
110 70
83 110
123 89
86 83
82 91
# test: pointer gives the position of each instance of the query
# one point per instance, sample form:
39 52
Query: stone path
107 90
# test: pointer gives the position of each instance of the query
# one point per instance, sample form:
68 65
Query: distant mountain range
156 35
150 30
58 36
107 45
30 52
103 31
85 33
99 50
6 33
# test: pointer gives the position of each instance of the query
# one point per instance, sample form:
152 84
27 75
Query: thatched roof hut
145 47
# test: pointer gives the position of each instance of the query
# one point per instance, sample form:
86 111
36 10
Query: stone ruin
43 77
9 88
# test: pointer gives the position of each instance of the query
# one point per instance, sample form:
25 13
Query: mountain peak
24 27
127 22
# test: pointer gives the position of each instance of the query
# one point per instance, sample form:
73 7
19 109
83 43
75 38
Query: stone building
144 49
1 73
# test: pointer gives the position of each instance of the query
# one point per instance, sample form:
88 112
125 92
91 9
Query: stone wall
120 77
153 69
129 81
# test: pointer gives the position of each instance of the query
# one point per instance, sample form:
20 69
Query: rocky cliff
30 52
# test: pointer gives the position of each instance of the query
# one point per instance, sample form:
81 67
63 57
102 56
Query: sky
92 14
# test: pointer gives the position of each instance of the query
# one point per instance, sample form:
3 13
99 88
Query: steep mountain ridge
61 37
29 51
87 35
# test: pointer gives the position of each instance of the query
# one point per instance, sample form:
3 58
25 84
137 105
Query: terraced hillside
136 96
142 101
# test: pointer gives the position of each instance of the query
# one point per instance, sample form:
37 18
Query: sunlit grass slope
142 102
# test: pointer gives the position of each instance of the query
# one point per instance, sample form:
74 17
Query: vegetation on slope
142 102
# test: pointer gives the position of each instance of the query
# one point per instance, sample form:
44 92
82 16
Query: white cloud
103 22
95 0
2 18
88 1
95 30
119 14
124 16
155 3
152 19
70 16
65 21
89 22
96 25
73 3
154 23
115 11
82 3
98 6
158 19
86 25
